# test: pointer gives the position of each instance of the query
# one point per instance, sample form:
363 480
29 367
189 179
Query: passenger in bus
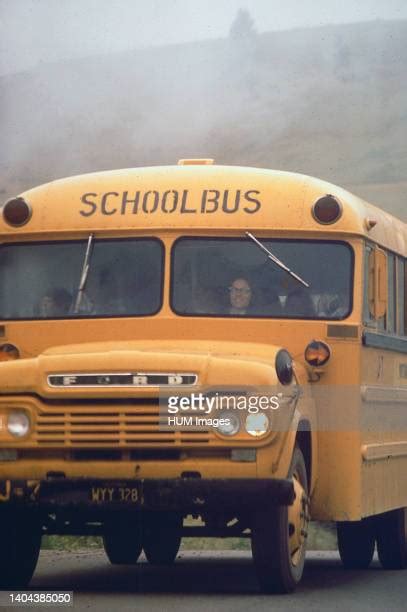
56 303
240 296
332 306
270 304
299 303
107 298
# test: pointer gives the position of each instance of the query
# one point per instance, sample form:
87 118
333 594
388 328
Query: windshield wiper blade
276 260
84 274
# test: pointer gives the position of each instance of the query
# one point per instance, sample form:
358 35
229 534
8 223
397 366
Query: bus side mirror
377 283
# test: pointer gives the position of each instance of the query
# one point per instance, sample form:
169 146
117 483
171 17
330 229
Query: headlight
257 424
18 424
230 425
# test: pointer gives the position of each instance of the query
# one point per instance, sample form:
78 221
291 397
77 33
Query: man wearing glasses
240 297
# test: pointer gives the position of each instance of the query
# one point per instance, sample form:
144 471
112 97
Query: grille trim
110 426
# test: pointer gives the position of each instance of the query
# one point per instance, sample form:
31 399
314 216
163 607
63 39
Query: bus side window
379 289
368 317
401 298
391 316
404 293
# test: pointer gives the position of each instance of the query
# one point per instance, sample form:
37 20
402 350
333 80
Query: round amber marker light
327 210
17 212
317 353
9 352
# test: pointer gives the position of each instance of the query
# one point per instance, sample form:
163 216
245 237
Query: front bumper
182 494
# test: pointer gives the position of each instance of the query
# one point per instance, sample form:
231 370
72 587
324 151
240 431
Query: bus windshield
41 280
233 277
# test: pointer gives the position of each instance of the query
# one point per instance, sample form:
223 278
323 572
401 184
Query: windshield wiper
84 274
276 260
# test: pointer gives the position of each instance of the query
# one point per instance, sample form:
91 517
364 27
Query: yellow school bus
198 340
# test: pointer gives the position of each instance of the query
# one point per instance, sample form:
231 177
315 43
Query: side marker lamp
317 353
9 352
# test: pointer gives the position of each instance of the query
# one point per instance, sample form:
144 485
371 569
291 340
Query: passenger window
368 317
391 297
380 289
401 301
405 296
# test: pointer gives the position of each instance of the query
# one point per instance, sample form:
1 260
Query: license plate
114 495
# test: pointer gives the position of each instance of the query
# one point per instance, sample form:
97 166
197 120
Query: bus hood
128 368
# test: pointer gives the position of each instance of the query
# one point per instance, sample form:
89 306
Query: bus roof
199 198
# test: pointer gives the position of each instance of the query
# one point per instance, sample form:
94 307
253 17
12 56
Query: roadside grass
322 536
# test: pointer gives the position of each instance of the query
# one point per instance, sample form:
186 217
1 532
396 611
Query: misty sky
35 31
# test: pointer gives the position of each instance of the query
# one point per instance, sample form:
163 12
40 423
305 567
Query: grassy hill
328 101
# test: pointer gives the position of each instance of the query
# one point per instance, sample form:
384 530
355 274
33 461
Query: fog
37 31
313 87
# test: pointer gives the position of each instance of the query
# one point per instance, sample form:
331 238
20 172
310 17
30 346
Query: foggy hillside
328 101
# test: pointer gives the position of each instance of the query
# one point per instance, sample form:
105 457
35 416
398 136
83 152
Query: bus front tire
20 544
123 546
356 543
279 536
391 535
162 537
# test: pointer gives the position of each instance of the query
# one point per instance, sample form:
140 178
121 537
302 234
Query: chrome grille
103 426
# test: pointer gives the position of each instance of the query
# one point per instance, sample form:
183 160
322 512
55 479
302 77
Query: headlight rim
261 435
16 412
226 414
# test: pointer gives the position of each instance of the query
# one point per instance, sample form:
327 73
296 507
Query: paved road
212 582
